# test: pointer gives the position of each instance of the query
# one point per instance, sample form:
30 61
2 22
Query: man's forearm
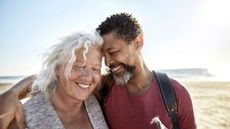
21 89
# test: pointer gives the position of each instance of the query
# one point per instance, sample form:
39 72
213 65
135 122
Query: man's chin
120 81
118 75
123 78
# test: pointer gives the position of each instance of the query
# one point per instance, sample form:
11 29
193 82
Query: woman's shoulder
95 113
40 114
36 102
36 107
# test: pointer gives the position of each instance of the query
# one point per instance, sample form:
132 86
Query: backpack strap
106 86
169 97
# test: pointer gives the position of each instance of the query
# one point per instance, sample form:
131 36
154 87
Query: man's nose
108 60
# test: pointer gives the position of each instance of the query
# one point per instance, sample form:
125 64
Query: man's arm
185 107
21 89
11 109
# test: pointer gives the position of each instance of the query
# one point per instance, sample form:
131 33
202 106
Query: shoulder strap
169 97
106 86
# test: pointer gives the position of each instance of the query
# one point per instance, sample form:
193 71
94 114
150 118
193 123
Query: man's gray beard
123 80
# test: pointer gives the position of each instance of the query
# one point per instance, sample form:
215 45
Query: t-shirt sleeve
185 106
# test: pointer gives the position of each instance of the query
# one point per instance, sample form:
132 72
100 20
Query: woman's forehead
88 62
93 54
90 51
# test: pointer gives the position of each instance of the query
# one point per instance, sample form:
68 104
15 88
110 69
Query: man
135 97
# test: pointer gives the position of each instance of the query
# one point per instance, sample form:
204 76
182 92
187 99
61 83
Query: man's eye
114 52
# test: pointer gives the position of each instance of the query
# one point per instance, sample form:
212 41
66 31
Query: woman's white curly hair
60 54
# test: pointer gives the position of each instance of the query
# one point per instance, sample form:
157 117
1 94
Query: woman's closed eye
96 70
83 68
78 67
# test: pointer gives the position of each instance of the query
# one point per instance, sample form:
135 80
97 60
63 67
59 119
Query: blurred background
188 39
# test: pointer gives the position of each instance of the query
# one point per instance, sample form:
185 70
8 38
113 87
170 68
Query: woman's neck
65 104
72 113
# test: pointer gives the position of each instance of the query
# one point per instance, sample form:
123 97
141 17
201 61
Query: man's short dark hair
125 26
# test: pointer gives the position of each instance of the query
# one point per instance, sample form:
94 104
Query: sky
177 34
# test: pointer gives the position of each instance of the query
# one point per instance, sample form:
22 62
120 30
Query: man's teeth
115 69
83 85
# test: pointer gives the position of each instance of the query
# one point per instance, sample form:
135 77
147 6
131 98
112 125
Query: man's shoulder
178 86
181 91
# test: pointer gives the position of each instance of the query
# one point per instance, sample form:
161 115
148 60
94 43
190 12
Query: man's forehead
106 47
108 43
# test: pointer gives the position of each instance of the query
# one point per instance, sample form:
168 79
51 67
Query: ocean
195 74
11 79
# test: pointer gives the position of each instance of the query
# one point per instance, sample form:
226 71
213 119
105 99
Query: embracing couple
65 93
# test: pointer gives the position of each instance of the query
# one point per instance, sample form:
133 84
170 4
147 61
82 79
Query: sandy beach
211 102
4 86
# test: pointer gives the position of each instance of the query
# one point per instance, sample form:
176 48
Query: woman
72 70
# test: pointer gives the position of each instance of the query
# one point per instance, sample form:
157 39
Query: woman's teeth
83 85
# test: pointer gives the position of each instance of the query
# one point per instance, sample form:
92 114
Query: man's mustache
129 68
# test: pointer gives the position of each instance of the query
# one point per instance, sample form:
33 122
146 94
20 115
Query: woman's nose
87 75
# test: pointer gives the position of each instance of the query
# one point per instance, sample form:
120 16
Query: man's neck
141 81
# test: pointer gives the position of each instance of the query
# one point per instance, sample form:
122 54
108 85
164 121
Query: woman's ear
57 70
138 42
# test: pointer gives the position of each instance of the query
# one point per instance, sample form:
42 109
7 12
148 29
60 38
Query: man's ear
138 42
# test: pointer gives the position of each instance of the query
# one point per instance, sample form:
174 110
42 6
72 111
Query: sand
211 102
4 86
